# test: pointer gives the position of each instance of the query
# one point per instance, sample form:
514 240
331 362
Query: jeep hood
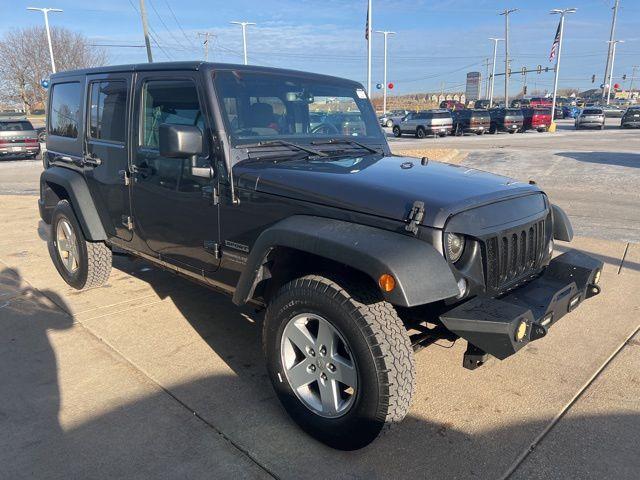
385 186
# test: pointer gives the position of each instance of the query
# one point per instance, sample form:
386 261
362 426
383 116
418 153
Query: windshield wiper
269 143
334 141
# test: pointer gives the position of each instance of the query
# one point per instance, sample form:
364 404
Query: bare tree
25 62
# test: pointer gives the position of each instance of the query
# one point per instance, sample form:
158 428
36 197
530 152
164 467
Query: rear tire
375 341
397 132
80 263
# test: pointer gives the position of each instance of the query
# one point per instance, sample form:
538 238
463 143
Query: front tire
421 133
80 263
371 353
397 132
389 123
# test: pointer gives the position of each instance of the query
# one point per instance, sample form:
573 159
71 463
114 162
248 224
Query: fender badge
237 246
406 165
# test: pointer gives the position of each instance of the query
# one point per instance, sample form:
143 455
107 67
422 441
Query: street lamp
46 11
384 94
493 69
562 13
613 43
244 36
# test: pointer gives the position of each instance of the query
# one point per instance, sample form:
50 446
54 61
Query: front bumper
490 325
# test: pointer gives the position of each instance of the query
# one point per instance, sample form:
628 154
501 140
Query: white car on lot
591 117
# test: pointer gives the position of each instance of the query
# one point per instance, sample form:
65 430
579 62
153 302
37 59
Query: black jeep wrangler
218 173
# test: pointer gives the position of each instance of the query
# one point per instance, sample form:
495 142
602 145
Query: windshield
19 125
268 106
592 111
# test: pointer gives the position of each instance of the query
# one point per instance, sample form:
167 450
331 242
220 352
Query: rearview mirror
179 141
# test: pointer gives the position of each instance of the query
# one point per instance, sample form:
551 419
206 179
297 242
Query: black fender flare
79 196
422 274
562 228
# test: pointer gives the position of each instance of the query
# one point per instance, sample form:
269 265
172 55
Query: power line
178 42
179 25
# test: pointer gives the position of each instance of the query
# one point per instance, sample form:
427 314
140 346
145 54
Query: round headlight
453 246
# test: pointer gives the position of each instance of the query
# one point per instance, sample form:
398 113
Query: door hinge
415 217
213 248
127 221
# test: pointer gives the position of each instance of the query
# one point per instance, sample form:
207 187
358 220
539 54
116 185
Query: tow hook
537 331
474 357
592 290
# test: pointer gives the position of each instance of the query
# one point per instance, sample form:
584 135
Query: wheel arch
422 274
57 183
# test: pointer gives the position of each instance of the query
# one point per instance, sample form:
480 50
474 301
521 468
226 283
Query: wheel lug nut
311 352
323 376
331 367
323 350
312 368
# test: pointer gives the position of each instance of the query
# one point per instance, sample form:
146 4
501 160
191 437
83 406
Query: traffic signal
524 90
593 79
624 77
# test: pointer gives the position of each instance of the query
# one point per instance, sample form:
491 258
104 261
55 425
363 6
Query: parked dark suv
506 120
631 118
360 257
476 121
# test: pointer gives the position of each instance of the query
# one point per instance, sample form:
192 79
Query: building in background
474 81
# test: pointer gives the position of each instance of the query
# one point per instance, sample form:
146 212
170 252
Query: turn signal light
596 277
521 331
387 282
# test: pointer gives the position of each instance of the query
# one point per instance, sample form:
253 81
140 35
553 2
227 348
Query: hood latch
415 217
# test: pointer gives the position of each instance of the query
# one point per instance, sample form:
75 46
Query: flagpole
369 40
562 13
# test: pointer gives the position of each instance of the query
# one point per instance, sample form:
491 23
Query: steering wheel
327 127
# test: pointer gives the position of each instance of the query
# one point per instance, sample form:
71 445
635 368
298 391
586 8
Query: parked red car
540 102
451 105
536 118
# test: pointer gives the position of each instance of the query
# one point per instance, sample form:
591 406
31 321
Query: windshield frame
364 109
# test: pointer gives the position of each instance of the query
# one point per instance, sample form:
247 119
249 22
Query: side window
64 114
168 101
108 109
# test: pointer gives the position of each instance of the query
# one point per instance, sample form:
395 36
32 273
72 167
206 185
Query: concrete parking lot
152 376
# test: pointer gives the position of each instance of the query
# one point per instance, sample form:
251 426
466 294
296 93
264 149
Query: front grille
514 255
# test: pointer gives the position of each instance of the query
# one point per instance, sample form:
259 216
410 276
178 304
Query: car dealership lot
152 376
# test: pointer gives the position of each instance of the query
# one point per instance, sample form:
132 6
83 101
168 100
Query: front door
174 211
107 145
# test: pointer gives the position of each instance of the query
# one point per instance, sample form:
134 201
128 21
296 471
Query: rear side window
16 126
168 101
108 108
64 115
592 111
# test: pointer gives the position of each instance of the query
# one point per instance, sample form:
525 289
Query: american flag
366 27
556 43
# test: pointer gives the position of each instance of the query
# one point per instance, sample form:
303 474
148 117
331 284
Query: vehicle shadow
176 430
631 160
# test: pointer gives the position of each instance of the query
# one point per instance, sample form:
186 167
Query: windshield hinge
415 217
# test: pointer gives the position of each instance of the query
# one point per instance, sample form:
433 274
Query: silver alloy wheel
318 365
67 245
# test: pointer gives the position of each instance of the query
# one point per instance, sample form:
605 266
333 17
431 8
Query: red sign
616 86
390 86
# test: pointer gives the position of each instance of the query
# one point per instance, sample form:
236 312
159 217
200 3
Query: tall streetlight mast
562 13
244 37
608 66
493 69
386 34
369 43
46 11
613 59
506 54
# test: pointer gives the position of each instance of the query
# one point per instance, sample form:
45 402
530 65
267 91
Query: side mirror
179 141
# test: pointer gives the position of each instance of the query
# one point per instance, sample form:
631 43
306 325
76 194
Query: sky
436 42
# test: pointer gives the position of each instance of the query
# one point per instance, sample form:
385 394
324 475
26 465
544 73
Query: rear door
106 159
174 210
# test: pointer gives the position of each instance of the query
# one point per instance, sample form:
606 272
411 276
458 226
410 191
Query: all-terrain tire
381 349
94 258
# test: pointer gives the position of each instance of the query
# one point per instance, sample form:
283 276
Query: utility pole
493 69
506 54
46 11
562 13
369 43
633 77
244 37
205 43
386 34
145 30
613 59
607 70
485 64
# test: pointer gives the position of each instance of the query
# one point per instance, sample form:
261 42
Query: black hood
385 186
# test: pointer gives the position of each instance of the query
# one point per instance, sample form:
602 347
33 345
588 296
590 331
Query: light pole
608 66
384 92
46 11
244 36
613 59
493 69
369 44
562 13
506 54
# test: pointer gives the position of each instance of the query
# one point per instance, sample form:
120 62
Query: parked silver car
590 118
392 117
18 138
436 122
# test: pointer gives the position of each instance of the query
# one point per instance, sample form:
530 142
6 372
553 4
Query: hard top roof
193 66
